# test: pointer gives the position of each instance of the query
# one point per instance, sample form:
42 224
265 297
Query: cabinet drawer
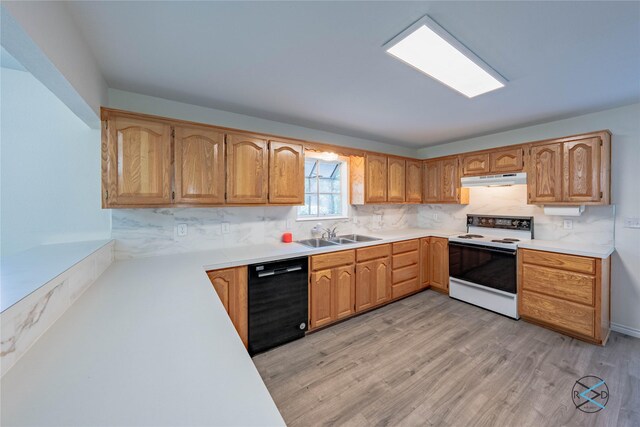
406 246
405 273
558 313
404 288
566 262
333 259
559 283
373 252
405 259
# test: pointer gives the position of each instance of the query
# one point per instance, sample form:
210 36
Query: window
325 187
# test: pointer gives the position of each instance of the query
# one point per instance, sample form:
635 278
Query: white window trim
344 173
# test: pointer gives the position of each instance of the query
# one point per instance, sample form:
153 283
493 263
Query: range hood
494 180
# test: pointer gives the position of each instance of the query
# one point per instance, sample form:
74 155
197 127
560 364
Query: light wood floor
431 360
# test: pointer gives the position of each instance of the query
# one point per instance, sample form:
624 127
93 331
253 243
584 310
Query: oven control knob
303 326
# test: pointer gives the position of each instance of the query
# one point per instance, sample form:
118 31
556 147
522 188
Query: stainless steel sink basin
358 238
317 243
342 241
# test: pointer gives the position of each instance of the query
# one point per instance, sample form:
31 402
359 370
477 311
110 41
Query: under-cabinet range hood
494 180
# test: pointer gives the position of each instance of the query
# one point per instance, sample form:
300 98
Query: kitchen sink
317 243
358 238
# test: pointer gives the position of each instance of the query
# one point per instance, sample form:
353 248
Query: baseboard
625 330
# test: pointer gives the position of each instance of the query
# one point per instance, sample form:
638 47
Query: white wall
624 123
178 110
50 169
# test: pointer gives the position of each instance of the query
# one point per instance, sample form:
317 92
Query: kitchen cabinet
506 160
425 262
373 276
450 180
231 286
574 170
286 173
441 181
405 276
199 165
566 293
136 162
247 169
431 181
375 180
332 288
396 180
475 164
413 181
439 264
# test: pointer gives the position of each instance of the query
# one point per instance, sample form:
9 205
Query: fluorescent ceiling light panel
431 49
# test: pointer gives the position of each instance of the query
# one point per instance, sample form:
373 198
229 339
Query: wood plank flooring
429 360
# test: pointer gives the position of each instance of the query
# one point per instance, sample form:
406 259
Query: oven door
483 265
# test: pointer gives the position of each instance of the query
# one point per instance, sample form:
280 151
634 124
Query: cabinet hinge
106 195
173 195
173 133
601 195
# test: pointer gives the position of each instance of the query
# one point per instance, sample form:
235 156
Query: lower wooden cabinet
439 264
566 293
373 283
331 288
425 262
405 276
231 286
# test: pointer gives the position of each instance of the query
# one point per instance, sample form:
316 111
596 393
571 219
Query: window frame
344 187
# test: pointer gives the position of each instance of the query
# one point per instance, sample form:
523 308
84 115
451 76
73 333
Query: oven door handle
485 248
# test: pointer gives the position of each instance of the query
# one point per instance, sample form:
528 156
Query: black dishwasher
278 303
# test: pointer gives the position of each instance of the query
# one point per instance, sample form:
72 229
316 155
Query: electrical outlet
435 216
632 222
225 228
183 230
567 224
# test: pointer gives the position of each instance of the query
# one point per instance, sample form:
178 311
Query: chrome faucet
329 233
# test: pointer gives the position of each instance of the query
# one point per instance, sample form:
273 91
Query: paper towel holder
564 210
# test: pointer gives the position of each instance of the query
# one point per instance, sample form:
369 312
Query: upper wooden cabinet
573 170
136 162
450 180
199 165
475 164
413 181
286 173
396 180
431 181
441 181
375 179
506 160
247 169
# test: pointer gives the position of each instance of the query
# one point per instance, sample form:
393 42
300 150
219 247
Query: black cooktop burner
508 239
505 240
471 236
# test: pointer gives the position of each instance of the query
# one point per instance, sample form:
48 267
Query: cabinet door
138 162
439 267
246 169
375 186
286 173
450 181
581 169
231 286
382 280
396 180
545 174
475 164
509 160
321 307
431 183
365 281
425 262
199 165
344 291
414 182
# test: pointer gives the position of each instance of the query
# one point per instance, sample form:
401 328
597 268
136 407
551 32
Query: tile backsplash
148 232
594 226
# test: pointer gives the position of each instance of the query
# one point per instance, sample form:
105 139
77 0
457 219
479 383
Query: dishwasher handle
279 271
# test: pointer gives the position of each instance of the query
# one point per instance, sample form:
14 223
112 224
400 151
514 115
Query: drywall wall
624 123
45 39
50 169
178 110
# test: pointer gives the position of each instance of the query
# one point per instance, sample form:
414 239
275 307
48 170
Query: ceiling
322 65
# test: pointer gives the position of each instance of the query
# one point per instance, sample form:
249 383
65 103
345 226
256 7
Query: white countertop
24 272
151 344
596 251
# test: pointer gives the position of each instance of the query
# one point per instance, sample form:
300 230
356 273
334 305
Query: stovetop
496 231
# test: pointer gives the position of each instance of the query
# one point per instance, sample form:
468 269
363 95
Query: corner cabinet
231 286
286 173
413 181
136 162
571 171
199 165
441 182
247 169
